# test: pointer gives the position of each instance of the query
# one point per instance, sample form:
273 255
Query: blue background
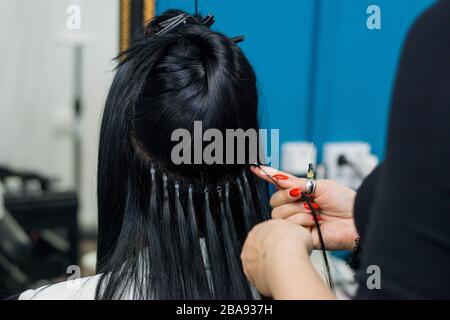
323 75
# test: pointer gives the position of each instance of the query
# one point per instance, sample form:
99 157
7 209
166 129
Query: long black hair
168 231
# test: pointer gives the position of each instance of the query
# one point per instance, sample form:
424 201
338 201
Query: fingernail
314 205
294 193
280 176
319 218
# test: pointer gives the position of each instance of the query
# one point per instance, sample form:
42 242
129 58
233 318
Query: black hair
168 231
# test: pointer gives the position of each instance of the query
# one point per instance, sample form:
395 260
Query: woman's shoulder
78 289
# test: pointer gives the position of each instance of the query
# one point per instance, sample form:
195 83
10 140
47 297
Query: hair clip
208 20
182 19
172 23
237 39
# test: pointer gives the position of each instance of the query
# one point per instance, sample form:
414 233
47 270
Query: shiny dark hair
169 231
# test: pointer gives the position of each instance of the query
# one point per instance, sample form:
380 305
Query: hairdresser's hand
271 246
333 201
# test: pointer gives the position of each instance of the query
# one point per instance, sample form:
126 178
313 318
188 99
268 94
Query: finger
308 206
316 240
283 179
246 273
244 265
302 219
285 196
286 210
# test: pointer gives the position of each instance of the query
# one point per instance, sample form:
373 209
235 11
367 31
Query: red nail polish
294 193
314 205
319 218
280 176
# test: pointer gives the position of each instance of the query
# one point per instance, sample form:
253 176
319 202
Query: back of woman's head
164 210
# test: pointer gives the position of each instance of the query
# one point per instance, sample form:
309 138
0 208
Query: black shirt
402 210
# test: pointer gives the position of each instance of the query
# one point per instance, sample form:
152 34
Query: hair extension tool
309 191
310 187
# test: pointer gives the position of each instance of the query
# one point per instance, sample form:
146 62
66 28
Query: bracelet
354 260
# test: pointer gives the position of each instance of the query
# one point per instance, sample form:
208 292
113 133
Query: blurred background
325 72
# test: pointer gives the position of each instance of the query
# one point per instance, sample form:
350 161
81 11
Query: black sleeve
408 235
365 199
363 202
